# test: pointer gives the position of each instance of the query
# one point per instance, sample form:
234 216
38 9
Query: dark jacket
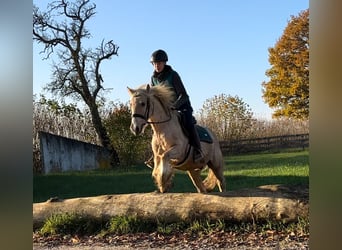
171 78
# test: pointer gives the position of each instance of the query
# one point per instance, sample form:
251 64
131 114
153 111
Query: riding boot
196 143
189 123
150 162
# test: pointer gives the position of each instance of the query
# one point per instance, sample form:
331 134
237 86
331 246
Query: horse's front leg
163 172
197 180
152 161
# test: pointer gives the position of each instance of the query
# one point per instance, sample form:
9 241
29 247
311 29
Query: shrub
131 149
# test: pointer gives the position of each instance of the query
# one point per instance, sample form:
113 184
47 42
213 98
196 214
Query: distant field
242 171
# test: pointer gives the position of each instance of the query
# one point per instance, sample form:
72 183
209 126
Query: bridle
146 114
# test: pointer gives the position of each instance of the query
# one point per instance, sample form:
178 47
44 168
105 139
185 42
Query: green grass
71 224
243 171
66 224
91 183
290 168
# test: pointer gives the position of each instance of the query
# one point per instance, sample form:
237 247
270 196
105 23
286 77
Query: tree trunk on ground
273 202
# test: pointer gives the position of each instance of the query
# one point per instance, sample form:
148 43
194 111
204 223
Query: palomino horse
171 148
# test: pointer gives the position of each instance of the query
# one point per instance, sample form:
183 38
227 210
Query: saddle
203 134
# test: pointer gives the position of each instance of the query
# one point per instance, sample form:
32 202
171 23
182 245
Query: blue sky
218 46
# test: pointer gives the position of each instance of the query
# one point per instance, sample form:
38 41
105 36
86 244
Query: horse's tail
211 181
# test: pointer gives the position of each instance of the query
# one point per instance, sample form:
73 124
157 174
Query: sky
217 47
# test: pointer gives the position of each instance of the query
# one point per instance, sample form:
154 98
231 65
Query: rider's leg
193 136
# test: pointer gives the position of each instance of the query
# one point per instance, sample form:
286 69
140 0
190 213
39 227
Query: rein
146 115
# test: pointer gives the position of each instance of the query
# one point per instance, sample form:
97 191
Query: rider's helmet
159 56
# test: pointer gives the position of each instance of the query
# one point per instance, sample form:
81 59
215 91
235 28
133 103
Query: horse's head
150 105
140 108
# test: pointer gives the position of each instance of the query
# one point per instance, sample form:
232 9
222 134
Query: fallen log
272 202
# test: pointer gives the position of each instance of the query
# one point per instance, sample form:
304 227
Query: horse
152 105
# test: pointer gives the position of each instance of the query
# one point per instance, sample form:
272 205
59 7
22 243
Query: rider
164 74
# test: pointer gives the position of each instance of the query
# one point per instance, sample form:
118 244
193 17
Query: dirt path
217 240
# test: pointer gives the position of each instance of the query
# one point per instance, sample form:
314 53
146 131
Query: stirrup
150 162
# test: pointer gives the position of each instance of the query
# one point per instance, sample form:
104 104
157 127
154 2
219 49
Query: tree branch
106 51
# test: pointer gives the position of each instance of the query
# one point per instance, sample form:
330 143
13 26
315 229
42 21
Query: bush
131 149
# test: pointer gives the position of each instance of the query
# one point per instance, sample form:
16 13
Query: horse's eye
143 104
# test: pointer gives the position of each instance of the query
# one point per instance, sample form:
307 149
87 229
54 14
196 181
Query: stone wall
61 154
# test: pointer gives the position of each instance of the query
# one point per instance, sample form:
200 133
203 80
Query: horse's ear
148 88
130 91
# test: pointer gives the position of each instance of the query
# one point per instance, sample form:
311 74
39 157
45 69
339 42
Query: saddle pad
203 134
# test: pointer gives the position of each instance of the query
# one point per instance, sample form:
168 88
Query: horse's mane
164 93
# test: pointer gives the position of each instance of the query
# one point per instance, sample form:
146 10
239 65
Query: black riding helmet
159 56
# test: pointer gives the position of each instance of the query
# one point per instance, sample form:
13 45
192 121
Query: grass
72 224
245 171
91 183
272 168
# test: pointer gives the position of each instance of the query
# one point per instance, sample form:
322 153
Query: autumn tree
287 91
76 74
227 116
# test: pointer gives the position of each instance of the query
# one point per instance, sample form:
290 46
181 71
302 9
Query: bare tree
77 72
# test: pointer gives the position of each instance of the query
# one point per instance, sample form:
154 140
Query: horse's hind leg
215 177
210 181
196 180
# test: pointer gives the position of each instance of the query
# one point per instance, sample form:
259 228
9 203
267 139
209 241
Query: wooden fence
265 143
